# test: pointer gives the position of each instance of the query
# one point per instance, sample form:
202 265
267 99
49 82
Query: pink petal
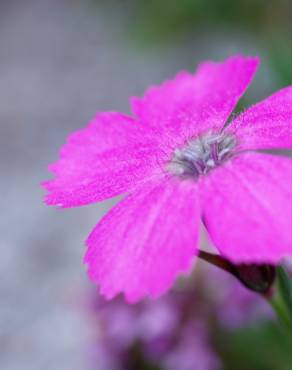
247 208
145 241
266 125
193 103
110 156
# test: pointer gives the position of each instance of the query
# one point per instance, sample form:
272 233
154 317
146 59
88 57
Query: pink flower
172 332
178 162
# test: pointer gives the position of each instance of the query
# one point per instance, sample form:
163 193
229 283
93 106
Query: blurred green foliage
262 347
166 18
268 22
161 22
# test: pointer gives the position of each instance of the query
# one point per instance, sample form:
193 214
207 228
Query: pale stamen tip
202 154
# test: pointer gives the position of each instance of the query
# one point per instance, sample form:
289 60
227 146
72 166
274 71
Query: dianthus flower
178 162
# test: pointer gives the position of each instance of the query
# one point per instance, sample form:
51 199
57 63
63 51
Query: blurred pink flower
177 330
193 351
179 161
170 333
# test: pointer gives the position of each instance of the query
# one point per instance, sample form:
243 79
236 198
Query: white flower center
202 154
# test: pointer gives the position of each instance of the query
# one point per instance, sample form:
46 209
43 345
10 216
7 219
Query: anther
202 154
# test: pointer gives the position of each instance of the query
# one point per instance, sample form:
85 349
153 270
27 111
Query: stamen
202 154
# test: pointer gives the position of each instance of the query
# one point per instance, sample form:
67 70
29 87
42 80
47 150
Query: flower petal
266 125
145 241
194 103
109 157
247 208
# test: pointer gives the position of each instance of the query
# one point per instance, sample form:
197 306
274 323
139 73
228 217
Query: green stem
281 312
280 299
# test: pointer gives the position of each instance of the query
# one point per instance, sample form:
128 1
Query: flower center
202 154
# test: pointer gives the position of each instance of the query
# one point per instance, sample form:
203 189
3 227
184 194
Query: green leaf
285 289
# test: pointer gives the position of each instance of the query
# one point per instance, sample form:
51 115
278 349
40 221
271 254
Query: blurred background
60 62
